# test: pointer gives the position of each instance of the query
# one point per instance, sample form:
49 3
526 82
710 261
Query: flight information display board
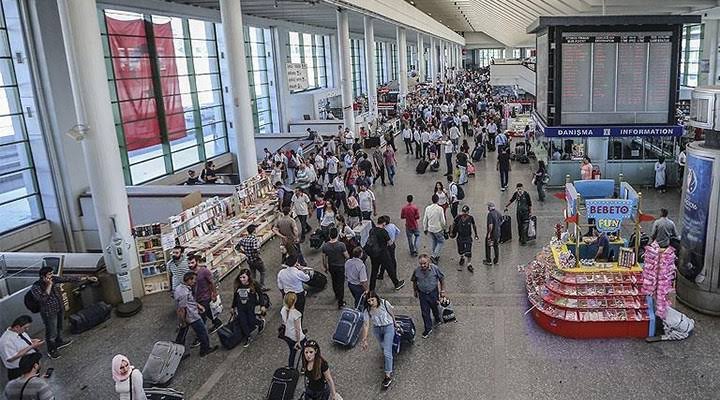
615 78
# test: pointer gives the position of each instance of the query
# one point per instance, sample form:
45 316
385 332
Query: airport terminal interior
359 199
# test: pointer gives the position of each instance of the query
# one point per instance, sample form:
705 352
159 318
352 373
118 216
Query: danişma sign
609 213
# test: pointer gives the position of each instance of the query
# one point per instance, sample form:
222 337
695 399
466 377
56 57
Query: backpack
31 302
460 192
372 246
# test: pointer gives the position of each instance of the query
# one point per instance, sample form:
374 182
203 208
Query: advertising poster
609 213
698 188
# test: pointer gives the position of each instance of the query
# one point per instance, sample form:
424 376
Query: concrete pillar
244 140
420 57
345 69
91 96
402 60
370 65
443 60
709 53
433 61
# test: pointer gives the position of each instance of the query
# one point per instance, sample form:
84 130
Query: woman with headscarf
128 379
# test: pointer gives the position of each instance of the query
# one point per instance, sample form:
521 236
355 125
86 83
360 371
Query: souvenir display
658 276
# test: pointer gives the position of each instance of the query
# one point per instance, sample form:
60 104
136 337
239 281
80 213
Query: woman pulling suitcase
378 312
319 384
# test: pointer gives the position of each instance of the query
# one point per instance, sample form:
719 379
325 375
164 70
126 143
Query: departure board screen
615 78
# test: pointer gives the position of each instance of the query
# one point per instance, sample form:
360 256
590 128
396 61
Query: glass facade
20 202
311 50
485 56
258 52
380 71
166 92
393 61
692 39
357 61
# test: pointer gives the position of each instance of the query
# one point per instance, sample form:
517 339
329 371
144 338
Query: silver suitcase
162 363
164 394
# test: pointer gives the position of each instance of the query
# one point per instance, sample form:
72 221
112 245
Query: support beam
402 61
433 61
243 144
421 57
345 69
370 65
91 97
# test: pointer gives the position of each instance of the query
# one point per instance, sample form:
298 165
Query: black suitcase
317 282
89 317
372 142
230 336
506 229
477 153
283 384
317 239
422 166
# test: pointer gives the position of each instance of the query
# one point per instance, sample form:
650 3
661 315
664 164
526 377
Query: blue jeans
438 239
391 173
53 329
357 292
429 304
463 175
385 335
201 333
413 238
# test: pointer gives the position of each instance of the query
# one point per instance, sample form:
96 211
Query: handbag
281 331
216 307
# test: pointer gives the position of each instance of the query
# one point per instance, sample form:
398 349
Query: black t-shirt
335 253
463 226
319 384
461 159
504 161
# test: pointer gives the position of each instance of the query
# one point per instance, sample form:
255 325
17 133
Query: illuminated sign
610 213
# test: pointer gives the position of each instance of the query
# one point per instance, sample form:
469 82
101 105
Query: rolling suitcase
506 229
283 384
317 283
230 336
89 317
317 239
422 166
404 332
163 394
348 327
162 363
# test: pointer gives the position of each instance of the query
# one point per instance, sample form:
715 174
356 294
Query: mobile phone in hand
48 373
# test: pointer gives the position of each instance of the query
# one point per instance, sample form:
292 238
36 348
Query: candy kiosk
577 291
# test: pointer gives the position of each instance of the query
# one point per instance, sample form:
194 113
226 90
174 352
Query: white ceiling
507 20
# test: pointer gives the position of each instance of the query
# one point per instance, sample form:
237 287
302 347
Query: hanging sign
609 213
297 76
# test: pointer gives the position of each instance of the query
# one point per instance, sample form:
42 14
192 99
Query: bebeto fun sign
609 213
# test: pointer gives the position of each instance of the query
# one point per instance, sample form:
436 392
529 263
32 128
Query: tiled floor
494 351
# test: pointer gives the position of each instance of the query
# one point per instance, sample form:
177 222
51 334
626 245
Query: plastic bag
531 229
216 306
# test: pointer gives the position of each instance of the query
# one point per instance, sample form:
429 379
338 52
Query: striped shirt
36 389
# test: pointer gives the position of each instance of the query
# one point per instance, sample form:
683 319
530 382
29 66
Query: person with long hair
319 383
245 298
128 379
292 333
539 179
379 314
442 194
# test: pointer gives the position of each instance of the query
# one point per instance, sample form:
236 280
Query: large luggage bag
230 335
348 327
422 166
162 364
283 384
404 332
317 283
506 229
317 239
157 393
89 317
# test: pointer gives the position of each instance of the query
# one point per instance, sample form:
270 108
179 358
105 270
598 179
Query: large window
311 49
486 56
690 55
393 61
258 51
412 58
20 202
357 59
166 92
380 71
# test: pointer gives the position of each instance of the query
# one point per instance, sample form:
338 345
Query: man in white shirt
500 141
332 163
407 138
492 128
417 138
366 201
448 146
300 202
425 137
349 138
291 279
15 343
465 120
434 224
454 135
444 108
320 167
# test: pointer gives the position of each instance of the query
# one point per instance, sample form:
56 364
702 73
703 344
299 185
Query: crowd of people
332 183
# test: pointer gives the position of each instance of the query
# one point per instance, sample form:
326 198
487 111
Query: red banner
133 74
